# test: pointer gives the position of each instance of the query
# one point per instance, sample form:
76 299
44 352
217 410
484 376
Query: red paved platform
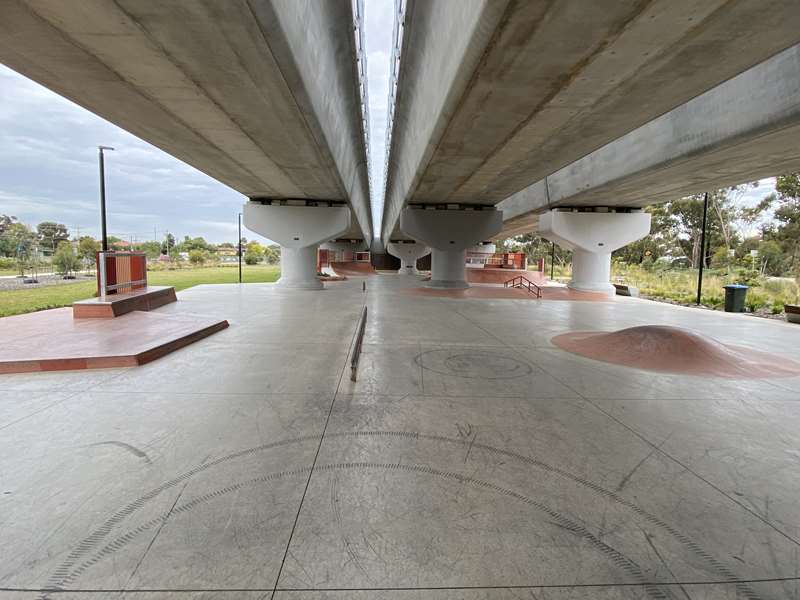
115 305
490 275
358 269
52 340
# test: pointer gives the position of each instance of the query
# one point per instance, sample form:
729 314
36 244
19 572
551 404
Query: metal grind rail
521 282
362 324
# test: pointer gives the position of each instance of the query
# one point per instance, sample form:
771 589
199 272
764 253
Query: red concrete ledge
52 340
115 305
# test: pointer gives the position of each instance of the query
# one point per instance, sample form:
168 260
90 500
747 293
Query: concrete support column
408 252
299 268
449 233
449 268
593 236
299 231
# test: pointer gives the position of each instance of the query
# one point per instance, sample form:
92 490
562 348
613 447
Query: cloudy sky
48 161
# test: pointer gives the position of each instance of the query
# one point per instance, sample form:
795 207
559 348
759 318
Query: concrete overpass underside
615 104
263 96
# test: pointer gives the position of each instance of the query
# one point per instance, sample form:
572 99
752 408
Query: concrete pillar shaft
299 268
449 268
299 230
591 272
408 253
592 236
408 266
449 233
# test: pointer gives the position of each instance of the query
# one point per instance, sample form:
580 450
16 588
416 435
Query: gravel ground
15 283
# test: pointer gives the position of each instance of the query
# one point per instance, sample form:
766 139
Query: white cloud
49 171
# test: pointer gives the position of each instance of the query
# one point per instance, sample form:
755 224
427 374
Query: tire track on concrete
70 569
622 562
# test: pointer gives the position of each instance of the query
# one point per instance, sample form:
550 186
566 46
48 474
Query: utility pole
552 261
702 249
104 234
239 246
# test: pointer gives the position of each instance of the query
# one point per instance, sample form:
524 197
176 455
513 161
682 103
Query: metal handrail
523 282
362 325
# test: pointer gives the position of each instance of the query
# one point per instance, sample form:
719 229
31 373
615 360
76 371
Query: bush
197 257
7 263
252 258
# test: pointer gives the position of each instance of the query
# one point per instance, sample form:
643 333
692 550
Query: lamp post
702 250
239 246
104 235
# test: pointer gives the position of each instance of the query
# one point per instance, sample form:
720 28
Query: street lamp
103 197
239 246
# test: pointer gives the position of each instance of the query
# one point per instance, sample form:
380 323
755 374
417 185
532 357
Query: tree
6 243
151 249
272 254
786 228
64 260
188 244
50 234
168 244
88 248
254 253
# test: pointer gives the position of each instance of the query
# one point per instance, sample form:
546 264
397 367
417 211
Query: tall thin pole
104 233
702 249
239 245
552 261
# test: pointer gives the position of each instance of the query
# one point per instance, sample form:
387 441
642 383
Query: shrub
7 263
197 257
252 258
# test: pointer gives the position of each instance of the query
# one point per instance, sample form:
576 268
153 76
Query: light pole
103 197
239 246
702 251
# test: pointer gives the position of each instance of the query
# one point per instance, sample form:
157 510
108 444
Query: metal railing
362 325
522 282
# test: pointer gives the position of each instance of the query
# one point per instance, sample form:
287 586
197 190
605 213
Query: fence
499 260
120 272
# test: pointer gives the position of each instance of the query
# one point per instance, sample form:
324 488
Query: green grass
680 285
8 272
15 302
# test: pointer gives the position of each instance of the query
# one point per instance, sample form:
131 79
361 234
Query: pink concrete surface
493 291
363 269
675 350
51 340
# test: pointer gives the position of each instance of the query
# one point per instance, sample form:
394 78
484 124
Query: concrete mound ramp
363 269
676 350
